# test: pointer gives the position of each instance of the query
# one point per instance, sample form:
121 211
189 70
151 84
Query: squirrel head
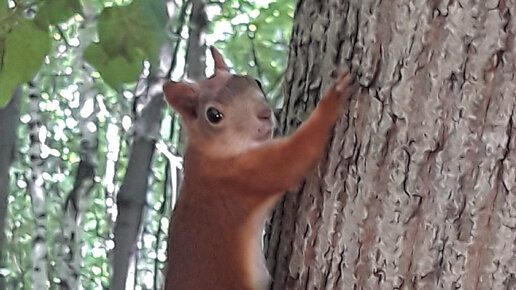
225 114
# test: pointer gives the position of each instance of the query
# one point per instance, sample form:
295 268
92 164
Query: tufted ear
218 59
183 98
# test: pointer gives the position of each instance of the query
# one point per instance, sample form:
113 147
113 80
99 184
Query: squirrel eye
213 115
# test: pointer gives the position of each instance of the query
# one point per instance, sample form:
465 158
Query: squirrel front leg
281 165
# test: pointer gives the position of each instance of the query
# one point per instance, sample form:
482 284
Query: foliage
24 42
120 52
47 43
256 38
118 55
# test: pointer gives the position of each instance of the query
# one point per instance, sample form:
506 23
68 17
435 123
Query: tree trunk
9 119
37 192
418 187
195 49
131 198
69 256
69 251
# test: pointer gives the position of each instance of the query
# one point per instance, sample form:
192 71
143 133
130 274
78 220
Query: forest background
90 155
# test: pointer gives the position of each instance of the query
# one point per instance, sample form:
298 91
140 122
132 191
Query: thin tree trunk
195 49
132 195
69 254
9 119
37 193
131 198
195 65
418 187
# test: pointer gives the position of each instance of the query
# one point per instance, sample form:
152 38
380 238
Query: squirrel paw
344 87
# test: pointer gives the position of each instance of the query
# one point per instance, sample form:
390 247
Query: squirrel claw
343 82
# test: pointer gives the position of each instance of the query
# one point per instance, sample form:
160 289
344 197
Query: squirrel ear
218 59
182 97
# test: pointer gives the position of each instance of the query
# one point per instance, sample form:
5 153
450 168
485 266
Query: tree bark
418 186
9 119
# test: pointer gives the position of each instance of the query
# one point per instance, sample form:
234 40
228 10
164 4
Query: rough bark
418 187
9 119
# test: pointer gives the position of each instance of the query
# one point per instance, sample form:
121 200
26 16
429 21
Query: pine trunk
418 187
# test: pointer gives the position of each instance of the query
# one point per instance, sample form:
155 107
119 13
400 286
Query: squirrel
234 173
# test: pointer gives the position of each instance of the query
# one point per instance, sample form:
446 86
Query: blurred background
90 154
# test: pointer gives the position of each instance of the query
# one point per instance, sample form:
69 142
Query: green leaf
4 10
127 36
26 44
115 70
56 11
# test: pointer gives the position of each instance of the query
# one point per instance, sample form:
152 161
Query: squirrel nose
264 114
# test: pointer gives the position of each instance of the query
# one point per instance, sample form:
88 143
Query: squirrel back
234 172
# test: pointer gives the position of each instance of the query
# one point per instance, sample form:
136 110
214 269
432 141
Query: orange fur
234 174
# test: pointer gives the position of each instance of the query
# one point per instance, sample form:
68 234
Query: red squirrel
234 173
